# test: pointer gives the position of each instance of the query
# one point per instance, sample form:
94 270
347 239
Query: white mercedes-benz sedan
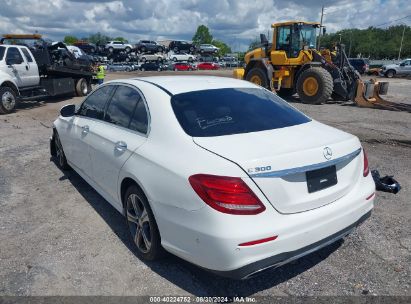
217 171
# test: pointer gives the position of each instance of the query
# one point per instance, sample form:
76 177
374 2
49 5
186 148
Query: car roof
183 84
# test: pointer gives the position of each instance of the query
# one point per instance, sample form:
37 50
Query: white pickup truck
49 71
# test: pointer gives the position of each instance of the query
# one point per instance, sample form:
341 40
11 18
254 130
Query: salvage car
220 172
183 66
362 65
118 67
118 45
402 69
153 57
181 57
208 66
151 66
178 46
149 46
208 48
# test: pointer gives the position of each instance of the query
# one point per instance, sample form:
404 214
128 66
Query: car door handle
121 146
85 129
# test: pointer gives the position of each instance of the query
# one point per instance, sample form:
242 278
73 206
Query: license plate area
321 179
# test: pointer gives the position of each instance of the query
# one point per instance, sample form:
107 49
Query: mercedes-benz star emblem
328 153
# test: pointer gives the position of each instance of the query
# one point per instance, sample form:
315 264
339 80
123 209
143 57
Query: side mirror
68 110
263 39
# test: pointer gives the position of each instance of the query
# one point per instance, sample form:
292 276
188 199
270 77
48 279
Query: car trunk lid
297 168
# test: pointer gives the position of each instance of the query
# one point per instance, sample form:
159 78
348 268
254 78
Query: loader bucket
368 96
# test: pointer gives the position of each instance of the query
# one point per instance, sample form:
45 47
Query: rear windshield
2 50
221 112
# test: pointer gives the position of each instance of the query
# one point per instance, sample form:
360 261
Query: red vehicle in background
208 66
183 66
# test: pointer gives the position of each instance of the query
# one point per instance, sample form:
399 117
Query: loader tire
258 77
315 85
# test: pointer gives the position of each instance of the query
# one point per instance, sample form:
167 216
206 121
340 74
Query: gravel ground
59 237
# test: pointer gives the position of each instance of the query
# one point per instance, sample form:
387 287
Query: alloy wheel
139 223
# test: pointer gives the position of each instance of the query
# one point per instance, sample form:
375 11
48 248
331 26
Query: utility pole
321 27
402 39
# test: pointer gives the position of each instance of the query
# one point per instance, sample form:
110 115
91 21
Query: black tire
60 156
191 49
8 100
81 87
158 70
258 76
286 92
175 59
128 69
321 79
143 59
143 69
175 50
110 49
128 49
390 73
140 218
190 59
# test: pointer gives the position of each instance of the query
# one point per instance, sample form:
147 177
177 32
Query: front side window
122 106
2 51
14 54
94 105
221 112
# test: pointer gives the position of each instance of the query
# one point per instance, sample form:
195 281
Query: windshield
308 36
229 111
2 50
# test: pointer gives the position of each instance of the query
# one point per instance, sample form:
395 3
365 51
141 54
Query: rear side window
95 104
139 121
27 55
233 111
122 106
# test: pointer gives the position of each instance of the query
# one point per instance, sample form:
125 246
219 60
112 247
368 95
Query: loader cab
293 37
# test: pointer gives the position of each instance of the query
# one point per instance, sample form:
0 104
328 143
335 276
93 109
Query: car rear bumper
212 239
277 260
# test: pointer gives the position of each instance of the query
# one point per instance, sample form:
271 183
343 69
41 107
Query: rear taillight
226 194
366 167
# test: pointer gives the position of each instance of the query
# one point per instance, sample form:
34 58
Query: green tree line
374 43
94 38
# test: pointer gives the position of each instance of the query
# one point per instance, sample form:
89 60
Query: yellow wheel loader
292 64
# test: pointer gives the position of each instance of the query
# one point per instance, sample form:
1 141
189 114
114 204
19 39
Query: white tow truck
35 73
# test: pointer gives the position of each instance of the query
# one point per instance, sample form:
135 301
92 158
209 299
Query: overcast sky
236 22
